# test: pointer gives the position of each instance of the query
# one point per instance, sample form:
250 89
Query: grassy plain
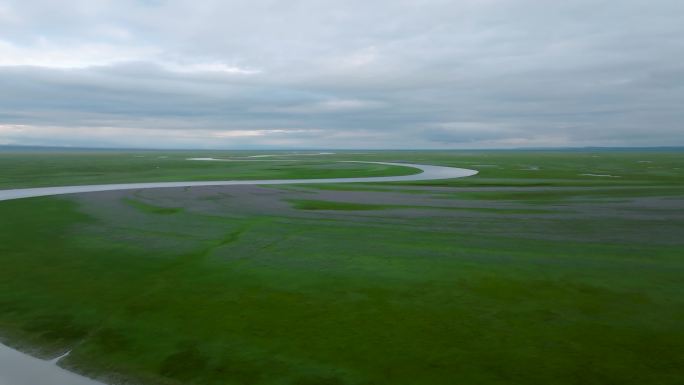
528 273
39 169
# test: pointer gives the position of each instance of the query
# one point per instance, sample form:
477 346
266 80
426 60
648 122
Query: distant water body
427 173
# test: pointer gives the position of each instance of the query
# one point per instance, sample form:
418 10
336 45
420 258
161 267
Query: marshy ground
528 273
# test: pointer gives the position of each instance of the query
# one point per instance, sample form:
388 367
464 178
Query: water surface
17 368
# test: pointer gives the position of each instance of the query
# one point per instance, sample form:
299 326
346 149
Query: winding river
17 368
427 173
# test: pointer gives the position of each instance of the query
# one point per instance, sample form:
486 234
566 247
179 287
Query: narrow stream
427 173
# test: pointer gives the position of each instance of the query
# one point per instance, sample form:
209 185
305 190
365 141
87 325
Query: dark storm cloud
430 73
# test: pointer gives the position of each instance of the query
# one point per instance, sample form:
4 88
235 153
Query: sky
297 74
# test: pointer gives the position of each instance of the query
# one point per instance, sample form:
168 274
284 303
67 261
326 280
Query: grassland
39 169
529 273
308 204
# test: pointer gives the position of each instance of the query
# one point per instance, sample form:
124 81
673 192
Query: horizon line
31 146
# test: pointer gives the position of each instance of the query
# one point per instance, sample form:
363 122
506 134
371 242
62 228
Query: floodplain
547 267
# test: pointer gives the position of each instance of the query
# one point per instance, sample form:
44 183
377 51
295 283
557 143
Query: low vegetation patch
152 209
331 205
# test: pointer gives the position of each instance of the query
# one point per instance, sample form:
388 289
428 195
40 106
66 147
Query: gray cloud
397 74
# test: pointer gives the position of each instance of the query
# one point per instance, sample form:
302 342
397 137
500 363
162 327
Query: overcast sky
342 74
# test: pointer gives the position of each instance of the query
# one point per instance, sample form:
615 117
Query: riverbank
17 368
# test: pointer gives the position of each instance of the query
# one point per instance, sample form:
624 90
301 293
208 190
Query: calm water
428 173
17 368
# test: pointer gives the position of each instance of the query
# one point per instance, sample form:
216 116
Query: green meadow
548 267
42 169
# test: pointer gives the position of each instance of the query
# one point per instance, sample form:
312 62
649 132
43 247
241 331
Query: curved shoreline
428 172
17 368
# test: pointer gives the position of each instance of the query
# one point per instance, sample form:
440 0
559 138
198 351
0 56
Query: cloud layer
344 74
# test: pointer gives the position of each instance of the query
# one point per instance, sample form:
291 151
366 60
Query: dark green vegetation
514 276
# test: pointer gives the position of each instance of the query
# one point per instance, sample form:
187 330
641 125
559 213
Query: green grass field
530 272
39 169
